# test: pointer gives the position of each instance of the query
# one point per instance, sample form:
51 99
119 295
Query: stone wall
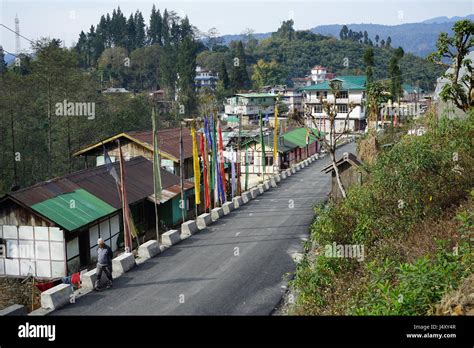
13 291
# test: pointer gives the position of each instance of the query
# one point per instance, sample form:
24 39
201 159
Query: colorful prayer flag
197 169
156 159
275 136
262 143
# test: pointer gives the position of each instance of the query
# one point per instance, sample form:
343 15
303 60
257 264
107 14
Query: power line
12 54
14 32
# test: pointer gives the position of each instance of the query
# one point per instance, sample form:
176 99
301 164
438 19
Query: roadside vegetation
413 215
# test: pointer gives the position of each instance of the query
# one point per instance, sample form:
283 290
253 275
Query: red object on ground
44 286
76 278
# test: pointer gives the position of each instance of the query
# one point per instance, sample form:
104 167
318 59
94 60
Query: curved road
238 266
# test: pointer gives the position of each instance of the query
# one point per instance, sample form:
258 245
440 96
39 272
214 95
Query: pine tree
165 31
223 76
344 32
395 74
118 28
131 34
369 63
187 73
155 29
239 76
140 36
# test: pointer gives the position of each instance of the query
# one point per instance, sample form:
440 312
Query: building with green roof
249 106
293 146
350 103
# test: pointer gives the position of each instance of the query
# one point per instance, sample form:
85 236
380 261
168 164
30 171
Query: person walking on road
104 263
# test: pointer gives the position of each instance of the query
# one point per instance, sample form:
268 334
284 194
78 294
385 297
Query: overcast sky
65 19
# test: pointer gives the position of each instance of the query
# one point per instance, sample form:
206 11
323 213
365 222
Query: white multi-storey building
249 106
205 78
352 91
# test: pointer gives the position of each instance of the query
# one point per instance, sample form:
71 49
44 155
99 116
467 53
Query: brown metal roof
98 181
139 181
168 141
43 191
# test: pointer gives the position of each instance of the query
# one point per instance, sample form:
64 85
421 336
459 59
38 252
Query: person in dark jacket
104 263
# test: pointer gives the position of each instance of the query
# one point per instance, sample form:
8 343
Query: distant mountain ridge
417 38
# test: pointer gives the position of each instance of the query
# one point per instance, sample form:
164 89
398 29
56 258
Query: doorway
84 248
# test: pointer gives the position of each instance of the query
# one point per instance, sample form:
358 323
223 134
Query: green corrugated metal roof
256 95
352 82
298 136
73 210
283 144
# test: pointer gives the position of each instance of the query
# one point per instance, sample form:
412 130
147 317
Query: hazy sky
65 19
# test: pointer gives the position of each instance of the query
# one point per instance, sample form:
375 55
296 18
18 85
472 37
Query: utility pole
239 188
181 169
155 147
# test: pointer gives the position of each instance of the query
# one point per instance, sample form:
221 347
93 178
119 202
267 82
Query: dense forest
37 144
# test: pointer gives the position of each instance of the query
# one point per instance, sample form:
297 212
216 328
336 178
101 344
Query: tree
343 34
382 43
376 96
239 76
366 38
330 142
118 28
131 34
212 38
265 74
286 30
395 74
223 76
186 69
377 38
156 27
389 42
369 63
140 37
3 64
459 90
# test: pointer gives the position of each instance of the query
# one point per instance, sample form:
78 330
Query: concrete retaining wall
170 238
273 182
246 197
149 249
123 263
13 310
57 296
237 202
266 185
88 279
216 213
227 207
254 192
203 221
188 228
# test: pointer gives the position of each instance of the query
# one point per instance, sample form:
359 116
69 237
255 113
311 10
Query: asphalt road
238 266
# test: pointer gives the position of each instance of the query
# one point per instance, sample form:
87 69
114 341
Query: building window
342 108
343 94
318 109
250 156
318 94
325 94
268 160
